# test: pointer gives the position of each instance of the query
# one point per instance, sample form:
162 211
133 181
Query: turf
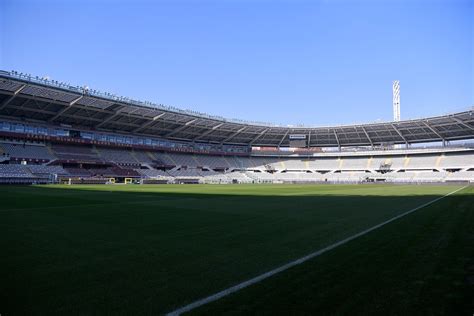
150 249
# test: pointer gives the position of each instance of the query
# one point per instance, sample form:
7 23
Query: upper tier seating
77 153
183 160
242 162
162 159
422 162
212 161
121 156
258 162
291 164
233 162
396 162
27 151
355 163
324 163
143 157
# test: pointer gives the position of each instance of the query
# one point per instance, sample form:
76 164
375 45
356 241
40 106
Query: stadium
57 133
112 205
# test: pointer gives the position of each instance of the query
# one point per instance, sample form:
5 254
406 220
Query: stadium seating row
45 161
129 157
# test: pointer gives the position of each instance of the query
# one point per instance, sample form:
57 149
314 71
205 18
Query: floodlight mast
396 103
396 100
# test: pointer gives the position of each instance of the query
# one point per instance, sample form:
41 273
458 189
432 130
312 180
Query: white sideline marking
261 277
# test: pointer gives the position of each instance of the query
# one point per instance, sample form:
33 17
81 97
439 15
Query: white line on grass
261 277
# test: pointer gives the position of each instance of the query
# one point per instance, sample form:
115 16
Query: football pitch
152 249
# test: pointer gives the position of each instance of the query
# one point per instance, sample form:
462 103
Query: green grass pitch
131 249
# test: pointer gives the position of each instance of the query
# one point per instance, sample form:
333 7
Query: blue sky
286 62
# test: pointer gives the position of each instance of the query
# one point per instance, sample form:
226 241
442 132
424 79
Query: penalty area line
266 275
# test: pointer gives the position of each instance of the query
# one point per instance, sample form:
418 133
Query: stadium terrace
53 132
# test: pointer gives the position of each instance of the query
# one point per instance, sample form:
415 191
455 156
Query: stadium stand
186 173
26 151
47 170
183 160
118 156
402 166
20 174
78 172
162 159
75 153
453 161
3 155
152 173
143 157
214 162
20 171
120 138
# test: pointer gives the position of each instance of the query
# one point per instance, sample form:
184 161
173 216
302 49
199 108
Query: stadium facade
50 131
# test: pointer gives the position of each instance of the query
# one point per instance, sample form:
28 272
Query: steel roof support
208 131
27 109
367 135
111 117
283 138
462 123
153 120
401 135
434 131
52 113
258 136
67 107
337 140
234 134
179 129
10 99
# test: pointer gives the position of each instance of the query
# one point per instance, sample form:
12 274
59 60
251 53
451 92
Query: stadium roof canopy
41 100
